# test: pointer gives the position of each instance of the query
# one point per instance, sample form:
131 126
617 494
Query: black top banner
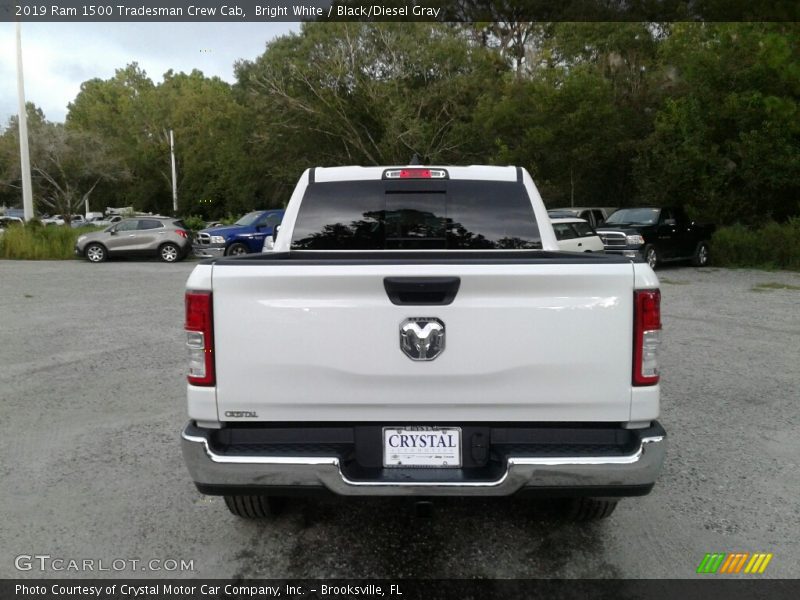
404 10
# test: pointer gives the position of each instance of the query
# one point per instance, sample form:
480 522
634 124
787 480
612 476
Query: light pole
24 153
174 180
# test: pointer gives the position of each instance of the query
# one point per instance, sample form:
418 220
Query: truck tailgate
524 342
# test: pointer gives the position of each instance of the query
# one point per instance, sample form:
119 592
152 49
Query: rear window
584 229
564 231
416 215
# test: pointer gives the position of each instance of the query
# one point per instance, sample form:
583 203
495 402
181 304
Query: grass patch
762 287
34 241
771 246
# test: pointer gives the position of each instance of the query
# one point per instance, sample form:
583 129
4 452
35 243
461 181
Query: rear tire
236 250
169 253
254 507
590 509
701 255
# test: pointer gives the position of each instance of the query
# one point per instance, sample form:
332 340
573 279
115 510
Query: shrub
36 242
195 222
770 246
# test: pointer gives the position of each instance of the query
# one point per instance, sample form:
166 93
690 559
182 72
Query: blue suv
243 237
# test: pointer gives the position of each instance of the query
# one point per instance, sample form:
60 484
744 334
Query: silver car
165 237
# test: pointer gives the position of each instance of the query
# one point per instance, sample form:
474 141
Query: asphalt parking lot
92 403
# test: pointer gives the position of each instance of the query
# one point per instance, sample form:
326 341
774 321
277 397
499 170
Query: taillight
646 336
200 338
182 233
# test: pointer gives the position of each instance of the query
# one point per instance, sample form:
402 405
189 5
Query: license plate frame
423 455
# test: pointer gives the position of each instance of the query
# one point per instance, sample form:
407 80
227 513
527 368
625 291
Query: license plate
422 447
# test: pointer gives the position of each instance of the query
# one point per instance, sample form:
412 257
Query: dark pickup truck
656 235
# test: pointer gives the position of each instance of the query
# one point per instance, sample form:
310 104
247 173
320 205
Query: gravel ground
92 401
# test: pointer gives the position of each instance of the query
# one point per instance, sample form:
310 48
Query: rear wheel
590 509
169 253
651 256
96 253
236 250
701 255
254 507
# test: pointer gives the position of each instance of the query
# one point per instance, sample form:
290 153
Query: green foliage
771 246
209 130
726 141
66 164
195 222
702 115
369 94
33 241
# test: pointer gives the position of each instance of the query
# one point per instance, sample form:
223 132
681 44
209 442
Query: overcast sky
58 57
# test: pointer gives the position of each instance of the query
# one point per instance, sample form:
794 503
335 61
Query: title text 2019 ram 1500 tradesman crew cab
420 334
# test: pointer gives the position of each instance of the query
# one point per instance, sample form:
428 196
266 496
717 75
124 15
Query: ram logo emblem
422 338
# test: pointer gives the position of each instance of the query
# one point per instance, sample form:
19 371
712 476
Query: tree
10 179
727 143
135 116
118 111
215 174
359 93
577 114
66 165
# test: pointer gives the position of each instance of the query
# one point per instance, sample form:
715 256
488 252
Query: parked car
54 220
576 235
78 221
6 222
595 215
105 221
657 235
165 237
243 237
75 220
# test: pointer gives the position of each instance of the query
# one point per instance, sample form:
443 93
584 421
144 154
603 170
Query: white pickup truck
415 331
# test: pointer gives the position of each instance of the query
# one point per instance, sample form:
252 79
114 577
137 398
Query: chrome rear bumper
249 473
